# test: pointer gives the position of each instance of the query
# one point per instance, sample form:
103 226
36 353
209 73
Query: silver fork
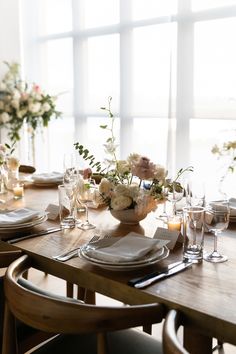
74 252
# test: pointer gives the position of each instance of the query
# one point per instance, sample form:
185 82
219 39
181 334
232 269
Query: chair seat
129 341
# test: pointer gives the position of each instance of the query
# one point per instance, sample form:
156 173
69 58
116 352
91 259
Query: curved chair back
56 314
171 343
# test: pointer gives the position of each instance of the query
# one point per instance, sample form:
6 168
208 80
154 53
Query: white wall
10 49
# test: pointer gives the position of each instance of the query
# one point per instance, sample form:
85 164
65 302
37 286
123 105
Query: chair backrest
171 343
55 314
6 258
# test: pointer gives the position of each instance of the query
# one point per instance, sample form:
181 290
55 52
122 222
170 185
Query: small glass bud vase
13 176
3 179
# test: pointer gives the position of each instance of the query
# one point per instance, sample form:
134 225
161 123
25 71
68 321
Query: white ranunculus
122 189
120 202
16 95
1 105
34 107
4 117
15 103
21 114
46 107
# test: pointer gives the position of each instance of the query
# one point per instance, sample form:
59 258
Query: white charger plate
22 226
154 256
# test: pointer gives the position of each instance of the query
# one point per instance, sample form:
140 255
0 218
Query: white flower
34 107
120 202
46 107
4 117
215 149
3 86
122 189
1 105
13 163
159 173
122 167
133 159
15 103
105 186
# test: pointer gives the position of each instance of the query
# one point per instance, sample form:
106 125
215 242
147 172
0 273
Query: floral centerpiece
134 186
21 103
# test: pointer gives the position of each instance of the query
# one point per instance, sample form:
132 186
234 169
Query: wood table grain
205 294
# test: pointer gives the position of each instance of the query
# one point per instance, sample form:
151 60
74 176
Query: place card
172 236
53 211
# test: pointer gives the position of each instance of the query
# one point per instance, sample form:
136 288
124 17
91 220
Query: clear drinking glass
216 220
193 232
66 206
86 195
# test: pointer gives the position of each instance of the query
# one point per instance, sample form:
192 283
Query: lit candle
174 223
18 191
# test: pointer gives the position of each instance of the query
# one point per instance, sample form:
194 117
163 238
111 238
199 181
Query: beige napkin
18 216
128 248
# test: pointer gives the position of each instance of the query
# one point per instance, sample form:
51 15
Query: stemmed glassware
175 194
86 194
195 193
216 220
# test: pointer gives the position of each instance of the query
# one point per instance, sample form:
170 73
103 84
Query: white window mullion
126 122
184 97
80 73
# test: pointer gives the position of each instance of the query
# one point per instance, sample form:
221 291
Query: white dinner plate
23 226
152 257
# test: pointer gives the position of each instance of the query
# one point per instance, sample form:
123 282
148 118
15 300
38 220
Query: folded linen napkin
18 216
52 177
128 248
232 205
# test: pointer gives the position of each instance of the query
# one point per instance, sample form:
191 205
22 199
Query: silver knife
40 233
134 281
172 271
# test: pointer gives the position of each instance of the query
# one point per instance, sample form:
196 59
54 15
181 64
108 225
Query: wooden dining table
205 293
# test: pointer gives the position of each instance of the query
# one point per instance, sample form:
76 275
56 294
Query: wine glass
217 220
175 194
69 169
195 193
86 195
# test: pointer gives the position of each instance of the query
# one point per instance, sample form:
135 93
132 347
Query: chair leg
9 343
69 289
147 329
101 343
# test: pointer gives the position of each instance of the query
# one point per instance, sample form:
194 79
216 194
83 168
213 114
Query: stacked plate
232 204
13 221
47 179
124 253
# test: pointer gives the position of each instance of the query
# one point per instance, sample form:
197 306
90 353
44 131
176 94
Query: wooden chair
171 343
83 328
27 336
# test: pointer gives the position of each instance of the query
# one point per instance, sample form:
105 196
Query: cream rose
105 186
120 202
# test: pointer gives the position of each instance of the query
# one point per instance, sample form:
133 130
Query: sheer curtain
169 66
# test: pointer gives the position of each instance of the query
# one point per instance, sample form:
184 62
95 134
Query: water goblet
216 220
195 193
86 195
175 194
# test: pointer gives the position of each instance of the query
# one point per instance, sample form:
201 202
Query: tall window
169 66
